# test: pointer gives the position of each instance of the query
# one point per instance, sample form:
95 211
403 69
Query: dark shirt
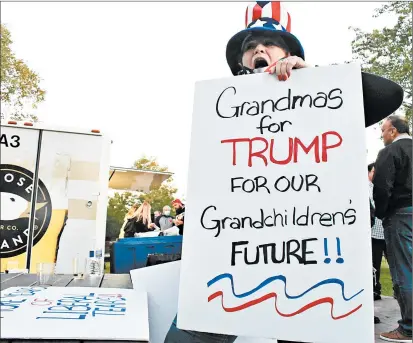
372 214
178 212
129 228
393 178
140 226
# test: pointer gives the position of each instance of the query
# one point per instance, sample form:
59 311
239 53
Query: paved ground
388 311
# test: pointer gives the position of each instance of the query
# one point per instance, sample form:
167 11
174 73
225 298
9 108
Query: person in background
372 220
378 244
180 215
143 219
164 221
128 227
392 195
157 214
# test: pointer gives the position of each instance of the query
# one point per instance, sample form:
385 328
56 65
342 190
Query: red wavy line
274 295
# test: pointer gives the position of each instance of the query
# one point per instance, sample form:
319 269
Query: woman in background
143 218
127 229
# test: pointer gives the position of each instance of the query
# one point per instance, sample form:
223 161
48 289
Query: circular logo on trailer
16 187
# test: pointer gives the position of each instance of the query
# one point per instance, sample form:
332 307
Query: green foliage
120 204
388 52
113 227
19 84
161 196
118 207
149 163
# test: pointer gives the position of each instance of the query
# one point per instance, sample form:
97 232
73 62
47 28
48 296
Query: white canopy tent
130 179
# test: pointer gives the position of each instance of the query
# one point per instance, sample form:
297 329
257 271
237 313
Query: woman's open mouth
260 63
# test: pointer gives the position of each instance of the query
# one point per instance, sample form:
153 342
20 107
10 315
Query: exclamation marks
339 258
327 259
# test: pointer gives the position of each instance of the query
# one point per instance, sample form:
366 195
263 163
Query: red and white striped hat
264 16
268 9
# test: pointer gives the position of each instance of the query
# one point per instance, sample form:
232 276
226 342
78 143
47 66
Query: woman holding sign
267 45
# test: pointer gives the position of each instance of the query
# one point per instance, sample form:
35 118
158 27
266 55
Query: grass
385 279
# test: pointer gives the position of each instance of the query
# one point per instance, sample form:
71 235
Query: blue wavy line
284 279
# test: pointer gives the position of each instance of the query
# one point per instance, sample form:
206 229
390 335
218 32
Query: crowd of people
141 222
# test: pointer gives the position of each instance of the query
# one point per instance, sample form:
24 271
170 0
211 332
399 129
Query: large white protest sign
161 283
277 238
12 298
80 313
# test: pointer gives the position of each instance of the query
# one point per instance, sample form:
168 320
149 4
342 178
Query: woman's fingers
290 67
286 67
283 67
283 75
278 69
271 68
301 63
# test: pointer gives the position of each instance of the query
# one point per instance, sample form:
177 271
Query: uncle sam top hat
270 17
381 96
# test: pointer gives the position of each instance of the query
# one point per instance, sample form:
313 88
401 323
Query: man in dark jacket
180 215
393 199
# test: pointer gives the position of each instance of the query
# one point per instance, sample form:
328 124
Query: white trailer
54 191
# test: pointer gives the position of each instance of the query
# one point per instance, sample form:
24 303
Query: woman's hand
282 68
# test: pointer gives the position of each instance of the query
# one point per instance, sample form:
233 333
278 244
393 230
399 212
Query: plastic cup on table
45 274
79 267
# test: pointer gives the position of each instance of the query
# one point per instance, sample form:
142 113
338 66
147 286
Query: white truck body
68 218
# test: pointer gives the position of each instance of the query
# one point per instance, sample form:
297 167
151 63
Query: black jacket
129 228
372 215
181 227
393 178
140 226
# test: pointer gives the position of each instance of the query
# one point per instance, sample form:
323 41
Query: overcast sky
130 68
